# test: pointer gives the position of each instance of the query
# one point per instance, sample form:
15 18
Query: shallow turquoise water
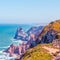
7 32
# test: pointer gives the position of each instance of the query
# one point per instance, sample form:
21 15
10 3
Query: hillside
46 51
41 52
55 25
37 53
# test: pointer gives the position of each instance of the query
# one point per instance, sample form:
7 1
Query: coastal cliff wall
35 36
50 35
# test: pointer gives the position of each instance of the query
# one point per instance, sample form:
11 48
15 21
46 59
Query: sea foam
5 56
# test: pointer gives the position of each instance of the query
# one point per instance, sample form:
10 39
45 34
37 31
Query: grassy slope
55 25
37 53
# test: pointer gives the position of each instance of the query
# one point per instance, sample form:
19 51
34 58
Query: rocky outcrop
20 34
34 33
56 43
50 31
49 36
31 35
34 36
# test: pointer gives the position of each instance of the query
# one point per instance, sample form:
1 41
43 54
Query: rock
50 31
35 30
49 36
31 35
56 43
34 33
20 34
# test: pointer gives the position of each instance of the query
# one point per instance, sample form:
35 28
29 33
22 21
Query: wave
1 51
5 47
17 41
5 56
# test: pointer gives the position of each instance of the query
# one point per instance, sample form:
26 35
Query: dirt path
51 50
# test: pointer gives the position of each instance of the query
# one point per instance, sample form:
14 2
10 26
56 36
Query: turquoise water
7 32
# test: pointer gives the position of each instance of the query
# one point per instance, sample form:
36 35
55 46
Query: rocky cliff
50 33
55 25
35 36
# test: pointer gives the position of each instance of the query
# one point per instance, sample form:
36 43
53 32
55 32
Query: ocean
7 33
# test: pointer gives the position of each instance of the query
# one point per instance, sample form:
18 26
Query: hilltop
55 25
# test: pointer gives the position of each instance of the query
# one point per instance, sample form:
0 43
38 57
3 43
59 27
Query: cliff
41 42
55 25
20 34
31 35
50 34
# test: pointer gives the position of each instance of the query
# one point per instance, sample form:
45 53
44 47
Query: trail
51 50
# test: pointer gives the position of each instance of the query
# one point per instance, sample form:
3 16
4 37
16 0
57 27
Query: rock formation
50 32
34 36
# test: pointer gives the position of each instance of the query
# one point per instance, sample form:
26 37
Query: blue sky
29 11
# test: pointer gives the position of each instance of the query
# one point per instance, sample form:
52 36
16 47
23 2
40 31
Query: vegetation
55 25
37 53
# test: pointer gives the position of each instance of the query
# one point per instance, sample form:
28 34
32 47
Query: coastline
25 40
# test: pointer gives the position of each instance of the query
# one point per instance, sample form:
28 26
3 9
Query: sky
29 11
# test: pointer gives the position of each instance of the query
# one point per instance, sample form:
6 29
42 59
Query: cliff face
35 36
40 34
51 30
50 34
31 35
20 34
54 25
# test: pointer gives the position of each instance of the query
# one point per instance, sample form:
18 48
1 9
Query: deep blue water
7 33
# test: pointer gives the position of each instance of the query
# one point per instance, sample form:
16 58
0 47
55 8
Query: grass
37 53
